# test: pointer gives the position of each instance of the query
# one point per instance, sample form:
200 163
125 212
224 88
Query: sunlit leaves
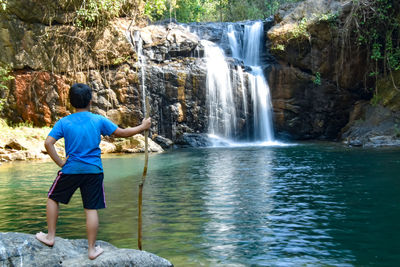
212 10
5 77
3 5
155 9
95 12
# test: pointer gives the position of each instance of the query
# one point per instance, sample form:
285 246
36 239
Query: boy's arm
128 132
49 145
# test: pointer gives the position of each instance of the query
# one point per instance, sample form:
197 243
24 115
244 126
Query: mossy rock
389 95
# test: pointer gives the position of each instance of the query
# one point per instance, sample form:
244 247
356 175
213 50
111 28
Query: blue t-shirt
82 135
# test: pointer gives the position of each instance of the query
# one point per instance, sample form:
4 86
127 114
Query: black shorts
90 185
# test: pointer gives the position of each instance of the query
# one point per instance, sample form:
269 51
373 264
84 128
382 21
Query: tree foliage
212 10
99 12
376 24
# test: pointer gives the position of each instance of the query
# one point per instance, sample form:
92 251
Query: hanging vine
376 25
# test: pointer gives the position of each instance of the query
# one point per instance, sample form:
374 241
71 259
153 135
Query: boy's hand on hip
63 162
146 123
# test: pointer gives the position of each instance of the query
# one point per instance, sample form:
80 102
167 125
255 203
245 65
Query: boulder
164 142
194 140
163 42
14 144
17 249
372 125
107 147
135 144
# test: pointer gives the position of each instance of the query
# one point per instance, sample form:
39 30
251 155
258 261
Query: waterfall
246 47
244 98
235 46
221 107
260 92
261 105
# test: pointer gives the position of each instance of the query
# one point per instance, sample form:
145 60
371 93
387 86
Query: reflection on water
234 190
246 206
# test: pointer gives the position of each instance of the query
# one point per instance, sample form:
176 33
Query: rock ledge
17 249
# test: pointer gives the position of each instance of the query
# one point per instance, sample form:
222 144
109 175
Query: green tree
189 11
212 10
5 77
155 9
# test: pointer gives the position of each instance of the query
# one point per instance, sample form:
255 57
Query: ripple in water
311 205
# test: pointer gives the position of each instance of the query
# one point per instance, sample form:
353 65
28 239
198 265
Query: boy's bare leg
92 225
52 209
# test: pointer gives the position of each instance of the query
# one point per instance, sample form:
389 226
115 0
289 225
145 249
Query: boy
82 167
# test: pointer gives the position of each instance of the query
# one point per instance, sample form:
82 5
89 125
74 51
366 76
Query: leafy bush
98 12
5 77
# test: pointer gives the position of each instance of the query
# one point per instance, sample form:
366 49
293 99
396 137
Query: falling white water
235 46
252 44
261 105
221 108
244 96
258 86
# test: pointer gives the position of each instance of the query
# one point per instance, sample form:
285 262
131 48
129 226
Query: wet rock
377 141
304 110
194 140
212 31
17 249
354 142
163 42
164 142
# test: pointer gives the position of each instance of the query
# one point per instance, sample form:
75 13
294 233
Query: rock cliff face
18 249
315 81
378 124
48 59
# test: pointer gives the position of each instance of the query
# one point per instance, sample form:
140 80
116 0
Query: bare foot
94 253
42 237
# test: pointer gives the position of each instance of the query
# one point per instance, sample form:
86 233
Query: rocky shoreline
27 143
369 126
18 249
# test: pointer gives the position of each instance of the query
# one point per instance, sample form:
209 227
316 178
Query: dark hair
80 95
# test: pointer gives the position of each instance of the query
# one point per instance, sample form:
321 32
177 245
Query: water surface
310 204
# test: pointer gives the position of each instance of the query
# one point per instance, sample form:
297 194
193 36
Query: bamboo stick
146 161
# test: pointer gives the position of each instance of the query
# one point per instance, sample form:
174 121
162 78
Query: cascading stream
223 121
221 107
260 92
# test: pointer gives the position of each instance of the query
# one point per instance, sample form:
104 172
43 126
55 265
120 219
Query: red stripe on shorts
104 197
54 184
